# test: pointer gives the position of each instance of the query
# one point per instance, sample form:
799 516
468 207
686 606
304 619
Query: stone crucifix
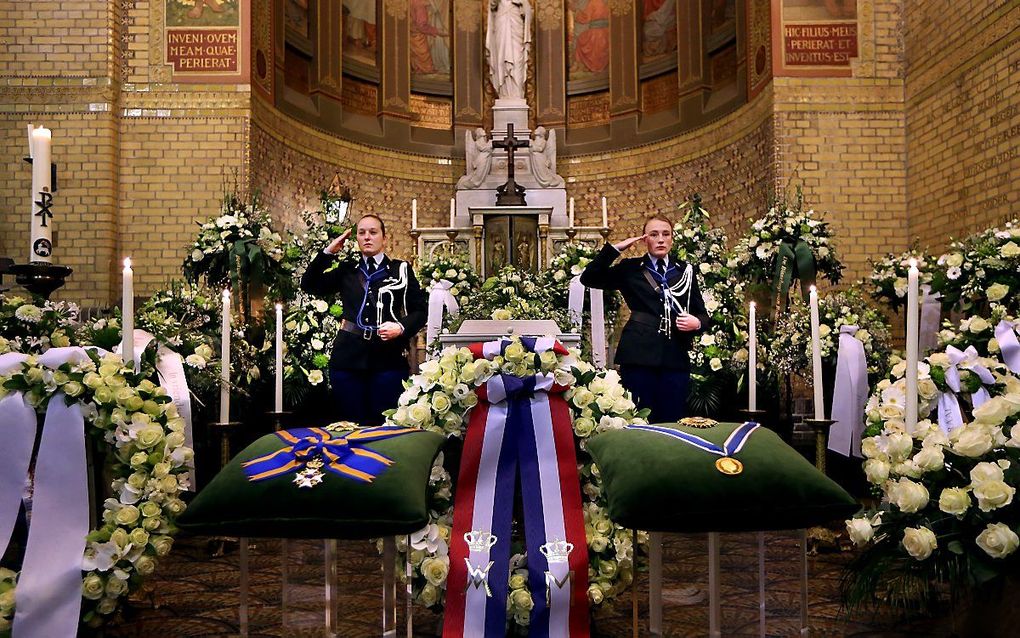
511 193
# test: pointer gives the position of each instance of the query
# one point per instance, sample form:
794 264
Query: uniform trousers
362 396
661 390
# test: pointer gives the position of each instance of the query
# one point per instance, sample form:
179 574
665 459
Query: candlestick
453 212
605 214
752 360
279 358
41 240
127 311
225 359
414 214
913 330
816 357
570 215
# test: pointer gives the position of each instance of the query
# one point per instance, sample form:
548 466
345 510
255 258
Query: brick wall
962 116
843 141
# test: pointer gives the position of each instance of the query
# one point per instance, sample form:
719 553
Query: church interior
838 178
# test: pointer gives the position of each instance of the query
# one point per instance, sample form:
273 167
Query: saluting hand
687 323
627 243
390 330
338 243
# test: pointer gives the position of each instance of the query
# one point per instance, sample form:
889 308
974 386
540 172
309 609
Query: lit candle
453 212
127 311
605 214
816 357
752 360
571 214
279 357
41 239
414 214
225 359
913 329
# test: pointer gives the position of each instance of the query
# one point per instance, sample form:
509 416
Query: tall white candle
605 214
913 330
453 213
816 357
41 240
570 215
279 358
752 359
225 359
414 214
127 311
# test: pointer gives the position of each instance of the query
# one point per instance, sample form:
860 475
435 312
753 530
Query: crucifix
511 193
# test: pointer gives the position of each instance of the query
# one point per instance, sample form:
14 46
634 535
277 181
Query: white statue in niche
478 153
507 40
543 158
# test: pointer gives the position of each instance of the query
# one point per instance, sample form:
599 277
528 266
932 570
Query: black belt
646 318
347 326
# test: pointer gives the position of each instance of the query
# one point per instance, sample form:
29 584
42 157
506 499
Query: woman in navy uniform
384 307
666 312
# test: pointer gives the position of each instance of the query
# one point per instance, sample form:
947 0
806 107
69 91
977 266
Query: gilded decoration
660 93
434 113
262 44
589 110
550 13
468 15
158 71
396 9
620 8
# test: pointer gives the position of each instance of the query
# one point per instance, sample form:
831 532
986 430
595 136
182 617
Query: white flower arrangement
758 251
888 279
310 326
35 325
149 460
439 398
983 270
513 294
790 348
451 268
571 261
946 512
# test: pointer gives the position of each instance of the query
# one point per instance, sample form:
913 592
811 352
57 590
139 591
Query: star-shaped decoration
308 477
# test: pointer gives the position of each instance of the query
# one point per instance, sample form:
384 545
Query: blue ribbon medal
311 450
726 463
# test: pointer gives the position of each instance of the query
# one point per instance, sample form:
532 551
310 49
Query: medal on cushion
311 475
726 464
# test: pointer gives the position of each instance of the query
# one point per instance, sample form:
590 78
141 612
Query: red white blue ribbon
521 426
733 444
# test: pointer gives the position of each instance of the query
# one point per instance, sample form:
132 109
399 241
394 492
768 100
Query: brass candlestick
571 233
821 428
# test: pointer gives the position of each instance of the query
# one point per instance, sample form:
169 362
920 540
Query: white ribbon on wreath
49 589
441 300
849 395
931 315
575 309
950 415
170 371
1009 345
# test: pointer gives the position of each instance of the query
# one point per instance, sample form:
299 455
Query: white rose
992 495
908 496
707 340
919 542
978 324
998 540
993 411
954 260
997 292
715 364
315 377
974 440
985 471
860 530
930 459
876 470
1010 249
899 446
954 500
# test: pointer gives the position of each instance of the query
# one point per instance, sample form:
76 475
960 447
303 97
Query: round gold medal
729 466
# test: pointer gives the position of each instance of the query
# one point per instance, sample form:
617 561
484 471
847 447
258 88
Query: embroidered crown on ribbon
343 454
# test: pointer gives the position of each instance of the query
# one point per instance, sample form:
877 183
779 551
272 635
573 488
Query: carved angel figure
543 158
478 152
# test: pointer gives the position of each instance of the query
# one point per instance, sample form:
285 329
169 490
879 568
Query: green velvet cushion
655 482
393 504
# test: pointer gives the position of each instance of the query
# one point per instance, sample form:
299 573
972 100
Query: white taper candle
752 359
414 214
913 331
605 214
816 357
41 238
570 215
225 359
127 312
453 213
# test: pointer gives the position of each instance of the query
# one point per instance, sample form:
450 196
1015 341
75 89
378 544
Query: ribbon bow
342 454
506 387
793 260
950 415
1009 345
441 300
575 309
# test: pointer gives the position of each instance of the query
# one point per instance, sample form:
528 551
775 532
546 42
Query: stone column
550 65
327 68
692 66
623 63
469 73
395 72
